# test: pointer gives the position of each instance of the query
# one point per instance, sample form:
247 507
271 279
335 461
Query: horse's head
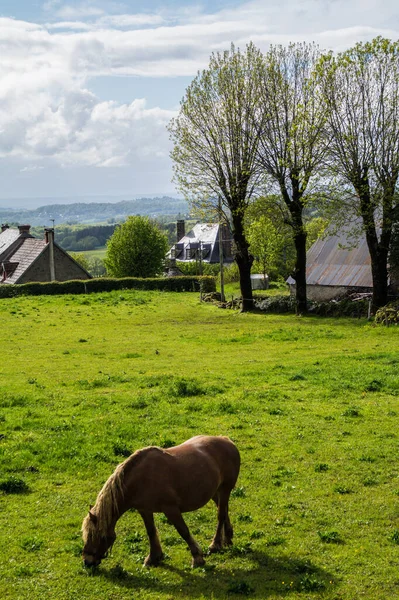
96 542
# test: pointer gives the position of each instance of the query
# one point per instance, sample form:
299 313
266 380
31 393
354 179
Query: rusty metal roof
330 261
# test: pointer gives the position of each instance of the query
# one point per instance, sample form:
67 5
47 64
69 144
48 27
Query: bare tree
215 145
361 93
291 126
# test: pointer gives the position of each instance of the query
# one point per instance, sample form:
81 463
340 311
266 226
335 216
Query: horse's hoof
151 561
214 548
198 561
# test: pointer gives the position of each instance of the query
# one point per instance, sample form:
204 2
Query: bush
276 304
192 268
204 284
389 314
231 273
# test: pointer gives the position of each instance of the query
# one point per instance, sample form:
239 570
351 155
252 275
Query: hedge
78 286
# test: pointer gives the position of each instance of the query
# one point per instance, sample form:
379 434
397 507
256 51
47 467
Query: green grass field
98 253
311 403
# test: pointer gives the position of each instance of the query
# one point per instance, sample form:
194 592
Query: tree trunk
301 304
244 261
300 235
378 250
379 271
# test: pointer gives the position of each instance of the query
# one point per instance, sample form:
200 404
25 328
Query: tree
314 230
265 243
96 266
292 144
137 248
81 259
361 93
215 145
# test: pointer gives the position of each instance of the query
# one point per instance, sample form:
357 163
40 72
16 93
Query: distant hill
95 212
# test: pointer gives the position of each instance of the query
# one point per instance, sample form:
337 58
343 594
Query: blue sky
88 86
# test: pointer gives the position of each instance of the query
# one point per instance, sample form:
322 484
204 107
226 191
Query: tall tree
361 93
137 248
292 144
215 145
265 243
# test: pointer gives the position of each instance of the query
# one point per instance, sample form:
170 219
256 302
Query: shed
334 267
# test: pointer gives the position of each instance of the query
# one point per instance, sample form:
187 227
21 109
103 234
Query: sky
87 87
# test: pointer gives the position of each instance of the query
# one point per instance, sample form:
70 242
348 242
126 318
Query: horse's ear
93 517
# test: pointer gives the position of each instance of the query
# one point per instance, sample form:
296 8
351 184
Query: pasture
311 403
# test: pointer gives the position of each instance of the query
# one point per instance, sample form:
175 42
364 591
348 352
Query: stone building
24 258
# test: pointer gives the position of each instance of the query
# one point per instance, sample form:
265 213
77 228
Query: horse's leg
175 517
224 525
156 554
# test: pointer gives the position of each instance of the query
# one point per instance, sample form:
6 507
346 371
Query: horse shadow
267 576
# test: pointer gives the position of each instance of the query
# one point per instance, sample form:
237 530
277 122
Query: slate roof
27 252
330 262
7 238
204 236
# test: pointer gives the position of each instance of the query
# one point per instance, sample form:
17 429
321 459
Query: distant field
99 252
311 403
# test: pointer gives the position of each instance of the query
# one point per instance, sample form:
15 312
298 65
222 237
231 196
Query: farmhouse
202 243
335 266
25 259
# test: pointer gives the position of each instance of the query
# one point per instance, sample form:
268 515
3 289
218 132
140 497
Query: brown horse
172 481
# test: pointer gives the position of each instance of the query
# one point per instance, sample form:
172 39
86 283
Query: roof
330 262
204 237
19 250
27 252
7 238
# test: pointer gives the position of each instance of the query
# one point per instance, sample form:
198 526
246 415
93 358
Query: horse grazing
171 481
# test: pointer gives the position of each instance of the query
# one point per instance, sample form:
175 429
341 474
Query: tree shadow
266 576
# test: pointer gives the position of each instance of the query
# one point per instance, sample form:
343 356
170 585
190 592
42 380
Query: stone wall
65 268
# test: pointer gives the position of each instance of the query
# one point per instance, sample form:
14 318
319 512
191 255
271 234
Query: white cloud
31 169
78 12
47 112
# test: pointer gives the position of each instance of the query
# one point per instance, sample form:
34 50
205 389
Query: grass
85 380
98 252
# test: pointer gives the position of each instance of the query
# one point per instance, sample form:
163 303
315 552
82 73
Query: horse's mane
111 496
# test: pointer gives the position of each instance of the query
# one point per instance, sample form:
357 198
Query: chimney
180 229
24 229
49 237
224 232
4 226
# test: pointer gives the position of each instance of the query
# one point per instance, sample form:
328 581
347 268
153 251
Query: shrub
204 284
192 268
276 304
389 314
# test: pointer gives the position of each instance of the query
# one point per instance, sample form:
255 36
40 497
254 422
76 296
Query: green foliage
192 268
231 273
81 259
171 284
137 248
360 92
389 314
315 229
265 243
215 141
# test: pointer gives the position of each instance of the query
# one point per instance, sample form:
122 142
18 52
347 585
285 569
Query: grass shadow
267 576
